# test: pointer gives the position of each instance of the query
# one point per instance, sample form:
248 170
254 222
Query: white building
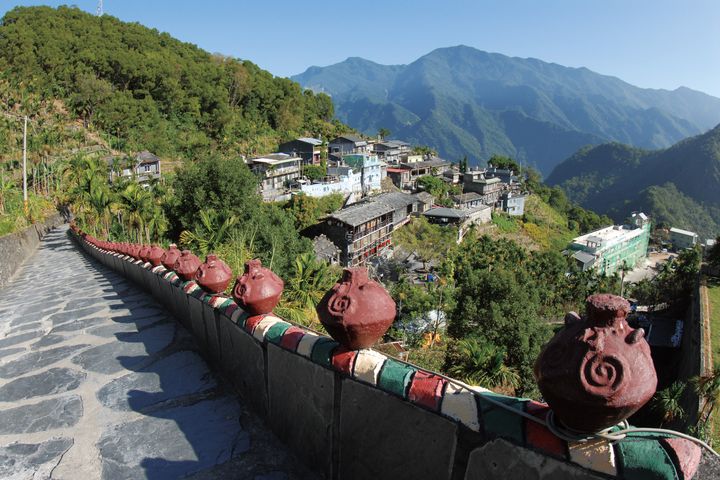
682 239
276 172
338 180
372 171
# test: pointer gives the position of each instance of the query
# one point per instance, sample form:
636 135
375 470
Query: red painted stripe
252 322
426 390
343 360
538 436
291 338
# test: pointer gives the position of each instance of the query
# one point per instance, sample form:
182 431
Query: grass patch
505 223
713 291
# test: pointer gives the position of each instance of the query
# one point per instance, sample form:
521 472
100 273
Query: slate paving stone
10 351
32 460
111 330
37 360
158 383
46 415
67 316
78 324
47 341
25 327
131 351
21 338
49 382
173 443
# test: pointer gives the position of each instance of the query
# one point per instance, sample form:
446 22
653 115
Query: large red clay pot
170 256
214 275
144 253
134 251
186 265
258 290
357 311
155 255
596 371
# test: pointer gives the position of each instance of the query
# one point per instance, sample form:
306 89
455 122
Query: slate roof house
309 149
145 166
347 144
364 230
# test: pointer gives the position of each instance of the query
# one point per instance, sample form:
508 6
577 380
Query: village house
372 171
682 239
364 230
347 144
144 167
467 200
610 249
276 172
462 218
309 149
342 180
489 189
390 151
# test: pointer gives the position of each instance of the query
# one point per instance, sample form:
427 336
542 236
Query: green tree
479 362
668 403
383 133
713 257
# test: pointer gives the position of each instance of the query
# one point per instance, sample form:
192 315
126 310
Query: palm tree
304 290
482 363
668 402
214 229
136 202
708 387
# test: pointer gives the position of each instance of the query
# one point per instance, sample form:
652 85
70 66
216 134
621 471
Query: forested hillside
679 186
463 101
142 89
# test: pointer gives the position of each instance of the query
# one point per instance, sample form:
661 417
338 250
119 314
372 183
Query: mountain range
463 101
679 186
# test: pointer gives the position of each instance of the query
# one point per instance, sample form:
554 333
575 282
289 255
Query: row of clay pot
356 312
594 373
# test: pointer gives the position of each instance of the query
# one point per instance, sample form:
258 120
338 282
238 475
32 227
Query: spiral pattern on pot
602 374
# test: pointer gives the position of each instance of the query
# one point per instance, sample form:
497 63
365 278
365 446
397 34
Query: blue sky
649 43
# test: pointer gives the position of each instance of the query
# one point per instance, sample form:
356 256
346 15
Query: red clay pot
357 311
155 255
214 275
258 290
144 253
135 251
170 257
186 265
596 371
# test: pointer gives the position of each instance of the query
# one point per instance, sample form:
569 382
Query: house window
146 168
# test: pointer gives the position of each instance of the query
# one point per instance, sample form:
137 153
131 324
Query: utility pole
25 196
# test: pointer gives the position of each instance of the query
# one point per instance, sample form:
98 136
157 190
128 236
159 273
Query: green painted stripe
500 422
242 319
395 377
643 458
322 350
275 333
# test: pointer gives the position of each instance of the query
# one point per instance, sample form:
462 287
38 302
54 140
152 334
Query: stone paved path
96 381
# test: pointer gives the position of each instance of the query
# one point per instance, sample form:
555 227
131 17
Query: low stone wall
359 414
17 247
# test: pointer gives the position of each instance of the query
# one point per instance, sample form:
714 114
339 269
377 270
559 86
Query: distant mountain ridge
463 101
678 186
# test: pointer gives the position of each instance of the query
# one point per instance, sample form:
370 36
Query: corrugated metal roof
312 141
683 232
444 212
583 257
360 213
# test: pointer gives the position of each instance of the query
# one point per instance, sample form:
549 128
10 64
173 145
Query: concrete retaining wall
17 247
361 415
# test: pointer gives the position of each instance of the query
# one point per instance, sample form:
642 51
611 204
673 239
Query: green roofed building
608 249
